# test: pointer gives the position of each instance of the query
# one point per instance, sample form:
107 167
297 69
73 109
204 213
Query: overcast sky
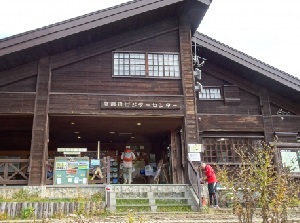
268 30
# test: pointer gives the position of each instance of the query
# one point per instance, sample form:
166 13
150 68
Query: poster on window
290 160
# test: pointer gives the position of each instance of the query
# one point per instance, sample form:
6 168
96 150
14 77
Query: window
163 65
210 93
129 64
146 64
223 150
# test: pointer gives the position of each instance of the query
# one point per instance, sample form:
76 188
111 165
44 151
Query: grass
167 201
132 201
174 208
134 209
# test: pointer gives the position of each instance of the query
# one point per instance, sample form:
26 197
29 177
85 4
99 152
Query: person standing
127 157
211 183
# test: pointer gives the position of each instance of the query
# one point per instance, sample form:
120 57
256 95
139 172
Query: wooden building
124 76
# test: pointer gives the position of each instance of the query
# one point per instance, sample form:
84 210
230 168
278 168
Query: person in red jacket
211 183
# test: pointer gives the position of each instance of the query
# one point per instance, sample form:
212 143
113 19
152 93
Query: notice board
71 170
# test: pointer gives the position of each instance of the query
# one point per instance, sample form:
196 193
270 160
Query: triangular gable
84 23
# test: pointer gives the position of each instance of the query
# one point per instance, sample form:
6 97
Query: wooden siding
190 128
249 105
90 104
286 123
115 42
235 123
19 79
17 103
38 152
95 73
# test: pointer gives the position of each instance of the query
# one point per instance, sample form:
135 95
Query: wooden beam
40 129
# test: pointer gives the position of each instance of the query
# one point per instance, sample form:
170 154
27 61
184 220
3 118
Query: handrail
194 178
14 171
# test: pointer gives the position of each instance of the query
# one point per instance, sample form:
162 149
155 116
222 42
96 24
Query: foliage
176 208
134 208
27 213
97 197
133 201
131 218
4 216
24 195
259 182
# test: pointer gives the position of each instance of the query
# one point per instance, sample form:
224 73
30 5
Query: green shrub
27 213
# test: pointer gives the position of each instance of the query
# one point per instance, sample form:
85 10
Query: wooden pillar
266 115
190 128
177 168
40 127
267 120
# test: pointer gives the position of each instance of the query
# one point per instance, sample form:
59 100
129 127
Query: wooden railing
194 179
14 171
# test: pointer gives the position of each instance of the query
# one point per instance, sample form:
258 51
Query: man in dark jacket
211 183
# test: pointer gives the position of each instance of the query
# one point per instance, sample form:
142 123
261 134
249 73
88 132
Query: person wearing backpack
127 157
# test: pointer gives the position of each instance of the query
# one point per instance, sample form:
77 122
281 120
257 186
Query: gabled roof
248 67
193 9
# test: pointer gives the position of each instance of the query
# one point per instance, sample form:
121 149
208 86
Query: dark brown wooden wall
19 79
17 103
17 89
249 103
94 73
235 123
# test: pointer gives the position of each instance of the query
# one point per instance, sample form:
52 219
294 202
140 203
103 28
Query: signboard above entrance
140 105
71 149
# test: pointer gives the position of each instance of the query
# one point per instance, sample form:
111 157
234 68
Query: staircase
150 198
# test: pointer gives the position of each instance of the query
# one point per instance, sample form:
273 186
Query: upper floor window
129 64
146 64
210 93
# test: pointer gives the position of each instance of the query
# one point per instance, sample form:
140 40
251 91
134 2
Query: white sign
290 160
71 153
195 148
194 156
71 149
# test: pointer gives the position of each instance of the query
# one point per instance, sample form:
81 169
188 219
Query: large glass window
210 93
223 150
163 65
129 64
146 64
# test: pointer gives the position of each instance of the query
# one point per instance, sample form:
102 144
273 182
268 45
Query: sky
268 30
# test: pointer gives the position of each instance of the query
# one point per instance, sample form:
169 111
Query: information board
71 170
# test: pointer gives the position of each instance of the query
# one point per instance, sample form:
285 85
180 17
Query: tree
258 182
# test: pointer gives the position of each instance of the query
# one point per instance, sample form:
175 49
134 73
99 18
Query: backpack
127 155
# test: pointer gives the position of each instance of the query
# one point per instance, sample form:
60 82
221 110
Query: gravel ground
165 218
190 217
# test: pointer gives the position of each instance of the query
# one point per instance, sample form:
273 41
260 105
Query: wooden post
98 150
40 127
190 129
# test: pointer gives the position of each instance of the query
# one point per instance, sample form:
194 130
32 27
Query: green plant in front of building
259 182
27 213
24 195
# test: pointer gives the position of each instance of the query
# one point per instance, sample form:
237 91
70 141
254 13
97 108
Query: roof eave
247 61
80 24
